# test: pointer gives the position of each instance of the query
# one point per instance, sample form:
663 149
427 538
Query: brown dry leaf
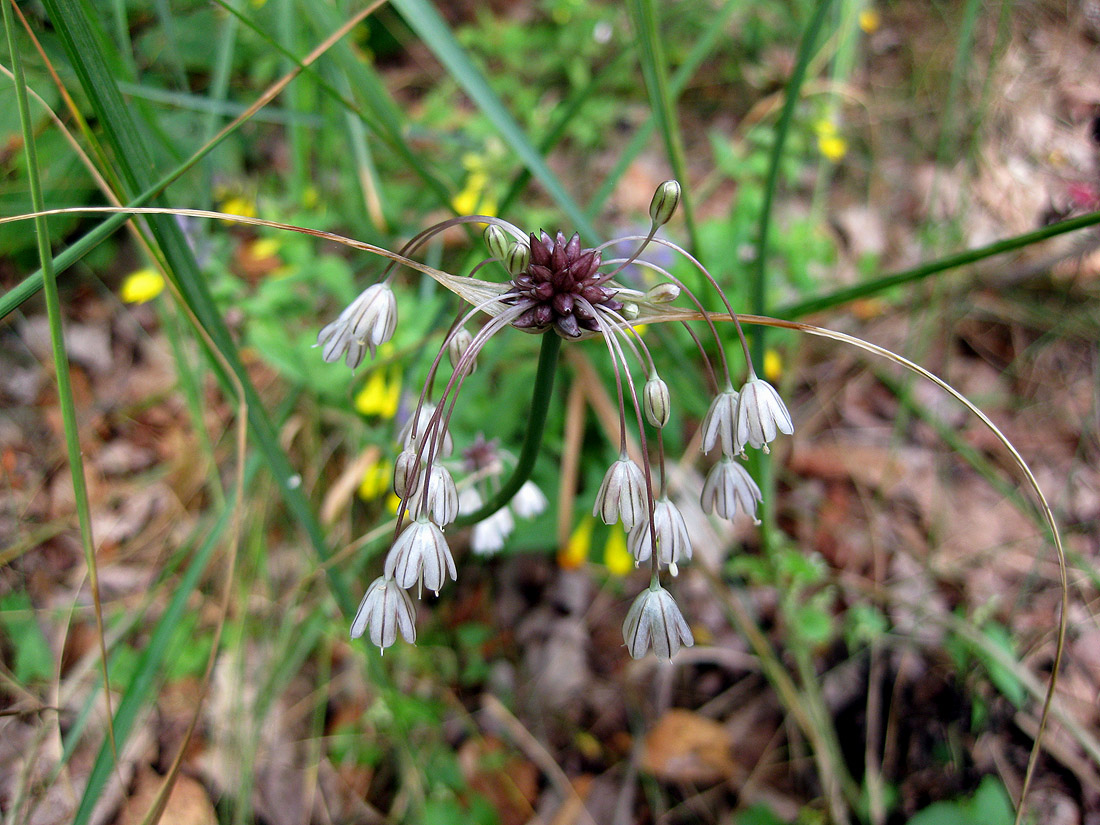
187 803
687 748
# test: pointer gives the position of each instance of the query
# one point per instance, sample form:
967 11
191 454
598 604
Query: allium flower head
421 555
655 620
760 413
622 494
385 609
728 489
561 287
554 285
366 323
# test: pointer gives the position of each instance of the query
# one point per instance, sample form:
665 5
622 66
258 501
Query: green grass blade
82 43
655 72
422 16
759 287
60 354
699 53
917 273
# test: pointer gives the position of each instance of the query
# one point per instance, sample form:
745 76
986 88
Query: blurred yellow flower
393 502
473 200
265 248
238 205
869 20
380 395
773 366
142 286
832 147
618 559
575 552
310 197
376 480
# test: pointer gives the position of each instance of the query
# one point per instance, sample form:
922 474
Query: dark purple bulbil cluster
562 286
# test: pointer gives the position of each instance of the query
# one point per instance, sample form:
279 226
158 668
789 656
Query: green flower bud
664 203
497 242
630 310
663 293
457 347
519 257
656 402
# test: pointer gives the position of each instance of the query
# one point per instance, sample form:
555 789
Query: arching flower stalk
558 288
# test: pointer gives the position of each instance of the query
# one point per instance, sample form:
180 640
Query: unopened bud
663 293
630 310
497 241
456 348
406 474
656 402
664 203
519 257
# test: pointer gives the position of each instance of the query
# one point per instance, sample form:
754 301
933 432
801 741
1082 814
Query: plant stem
536 423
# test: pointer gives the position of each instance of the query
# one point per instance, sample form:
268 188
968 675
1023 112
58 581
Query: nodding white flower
673 539
760 412
719 426
421 554
489 534
469 501
434 495
622 494
730 488
385 609
366 323
655 620
411 441
529 501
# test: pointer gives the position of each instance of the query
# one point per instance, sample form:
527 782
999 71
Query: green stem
759 295
969 256
662 101
532 442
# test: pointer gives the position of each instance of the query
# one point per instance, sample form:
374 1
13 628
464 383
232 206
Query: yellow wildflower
265 248
773 366
869 20
393 502
376 480
575 552
380 395
832 147
618 559
473 199
238 205
142 286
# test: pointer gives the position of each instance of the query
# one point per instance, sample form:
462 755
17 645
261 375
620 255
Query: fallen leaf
687 748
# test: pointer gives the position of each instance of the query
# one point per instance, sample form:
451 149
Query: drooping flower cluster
556 286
